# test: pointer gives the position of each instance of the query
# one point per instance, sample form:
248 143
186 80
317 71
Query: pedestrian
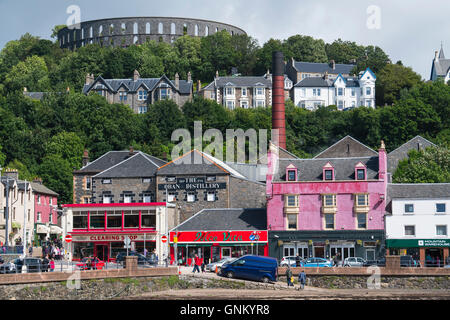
203 265
30 250
438 261
45 263
297 261
145 252
302 279
334 258
52 265
289 276
197 263
338 259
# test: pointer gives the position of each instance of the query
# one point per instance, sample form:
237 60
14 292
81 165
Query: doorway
319 252
101 252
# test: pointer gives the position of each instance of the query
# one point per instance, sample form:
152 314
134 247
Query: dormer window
360 171
123 96
328 172
291 173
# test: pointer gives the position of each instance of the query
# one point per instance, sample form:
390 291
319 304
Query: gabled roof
416 143
139 165
347 147
312 169
133 85
243 81
40 188
369 71
196 162
418 191
226 219
322 83
314 67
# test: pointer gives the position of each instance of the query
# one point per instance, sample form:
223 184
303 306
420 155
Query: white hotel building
345 92
418 220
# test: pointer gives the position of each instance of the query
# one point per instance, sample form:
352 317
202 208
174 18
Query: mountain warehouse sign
414 243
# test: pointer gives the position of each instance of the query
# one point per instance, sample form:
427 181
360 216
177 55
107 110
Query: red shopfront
100 229
214 245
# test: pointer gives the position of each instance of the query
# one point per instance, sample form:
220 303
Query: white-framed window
229 91
353 92
410 230
123 96
244 104
142 95
88 183
440 208
328 174
369 103
361 220
291 175
244 92
340 104
303 92
50 217
190 197
441 230
50 200
291 221
260 103
360 174
147 198
39 216
329 220
340 91
259 91
291 201
171 197
316 92
107 199
409 208
39 199
142 109
329 200
230 104
368 91
362 200
211 196
126 198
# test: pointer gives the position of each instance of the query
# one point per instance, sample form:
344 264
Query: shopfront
214 234
213 246
100 230
430 252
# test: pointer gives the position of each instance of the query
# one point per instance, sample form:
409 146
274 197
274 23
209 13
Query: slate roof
314 67
243 81
139 165
196 163
341 147
417 143
321 82
132 86
226 219
312 169
40 188
418 191
112 158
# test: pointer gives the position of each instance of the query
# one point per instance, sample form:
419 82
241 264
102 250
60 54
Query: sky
410 31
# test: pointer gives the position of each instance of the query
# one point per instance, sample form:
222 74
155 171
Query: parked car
212 266
251 267
408 261
316 262
31 264
379 263
8 267
90 263
120 258
289 260
354 262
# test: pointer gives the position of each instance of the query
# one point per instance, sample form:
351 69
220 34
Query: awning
55 230
41 228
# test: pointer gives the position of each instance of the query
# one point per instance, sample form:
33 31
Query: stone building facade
139 92
204 182
124 32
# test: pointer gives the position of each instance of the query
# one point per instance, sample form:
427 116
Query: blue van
251 267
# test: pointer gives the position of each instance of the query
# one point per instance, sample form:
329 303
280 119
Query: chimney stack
436 58
136 75
85 159
217 74
199 85
37 180
131 151
189 77
177 81
12 174
333 64
278 110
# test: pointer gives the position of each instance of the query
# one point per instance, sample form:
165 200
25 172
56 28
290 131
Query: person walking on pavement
297 261
52 265
197 264
289 276
302 279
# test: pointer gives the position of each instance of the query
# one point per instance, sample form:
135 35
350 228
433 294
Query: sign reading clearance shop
220 236
112 237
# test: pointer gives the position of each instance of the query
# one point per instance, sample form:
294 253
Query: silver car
212 266
354 262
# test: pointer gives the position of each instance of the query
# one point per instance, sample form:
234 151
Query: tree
431 165
167 117
56 174
31 73
264 55
391 80
68 146
344 51
305 48
56 29
210 113
374 58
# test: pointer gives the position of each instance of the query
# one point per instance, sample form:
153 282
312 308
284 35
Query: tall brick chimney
278 113
85 159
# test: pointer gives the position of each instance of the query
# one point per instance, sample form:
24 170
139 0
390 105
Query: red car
90 263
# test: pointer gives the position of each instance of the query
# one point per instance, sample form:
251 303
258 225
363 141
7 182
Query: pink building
334 202
45 214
